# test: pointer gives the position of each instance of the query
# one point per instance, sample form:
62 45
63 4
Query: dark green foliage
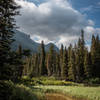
58 69
6 90
61 56
95 56
64 69
10 91
94 80
51 63
19 51
79 58
71 65
43 70
87 65
26 52
34 66
8 9
16 64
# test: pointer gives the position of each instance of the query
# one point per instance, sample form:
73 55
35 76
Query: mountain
27 43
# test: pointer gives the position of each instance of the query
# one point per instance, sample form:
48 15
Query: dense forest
74 63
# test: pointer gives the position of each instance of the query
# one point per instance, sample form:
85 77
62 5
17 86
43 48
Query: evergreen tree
51 63
61 57
26 52
58 69
27 66
95 56
80 58
8 9
34 66
77 65
64 69
87 64
20 51
71 65
43 70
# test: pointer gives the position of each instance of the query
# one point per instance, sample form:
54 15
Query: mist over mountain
27 43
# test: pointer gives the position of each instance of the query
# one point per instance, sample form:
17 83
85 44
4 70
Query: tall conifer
43 70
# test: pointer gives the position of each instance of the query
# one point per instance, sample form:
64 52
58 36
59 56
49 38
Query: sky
59 21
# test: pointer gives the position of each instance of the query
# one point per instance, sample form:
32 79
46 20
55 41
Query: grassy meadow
42 85
76 92
41 88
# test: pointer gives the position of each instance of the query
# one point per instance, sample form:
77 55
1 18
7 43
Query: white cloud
91 23
87 9
66 40
53 20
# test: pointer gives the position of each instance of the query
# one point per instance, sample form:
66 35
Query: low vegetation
42 85
35 81
79 92
18 92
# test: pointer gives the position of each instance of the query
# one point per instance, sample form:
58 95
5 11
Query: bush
10 91
94 81
22 92
6 90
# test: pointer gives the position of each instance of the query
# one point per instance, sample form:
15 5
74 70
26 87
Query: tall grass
42 85
90 93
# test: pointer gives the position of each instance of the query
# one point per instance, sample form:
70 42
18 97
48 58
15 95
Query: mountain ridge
27 43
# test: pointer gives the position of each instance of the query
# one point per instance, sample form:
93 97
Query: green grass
47 81
23 92
90 93
42 85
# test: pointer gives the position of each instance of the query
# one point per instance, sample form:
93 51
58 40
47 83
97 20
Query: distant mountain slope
27 43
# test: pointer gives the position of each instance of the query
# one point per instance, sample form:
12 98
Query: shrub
10 91
6 90
22 92
94 81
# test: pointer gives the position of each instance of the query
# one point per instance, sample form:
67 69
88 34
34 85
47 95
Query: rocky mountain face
27 43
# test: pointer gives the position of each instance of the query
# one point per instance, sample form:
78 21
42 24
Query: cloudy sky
59 21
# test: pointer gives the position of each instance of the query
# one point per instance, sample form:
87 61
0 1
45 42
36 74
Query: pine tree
87 64
80 58
93 51
26 52
20 51
95 56
28 62
18 62
71 65
43 70
34 72
61 57
58 69
51 63
77 65
8 9
81 54
64 69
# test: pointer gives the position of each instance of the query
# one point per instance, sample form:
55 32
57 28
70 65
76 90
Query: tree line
75 63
